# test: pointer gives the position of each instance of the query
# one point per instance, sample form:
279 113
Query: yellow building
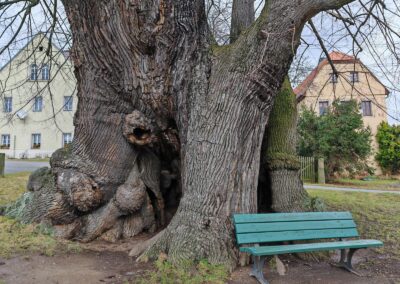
353 81
38 97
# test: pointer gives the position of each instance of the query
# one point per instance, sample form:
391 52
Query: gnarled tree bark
164 117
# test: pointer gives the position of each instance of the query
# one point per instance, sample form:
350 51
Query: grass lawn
377 215
18 238
12 186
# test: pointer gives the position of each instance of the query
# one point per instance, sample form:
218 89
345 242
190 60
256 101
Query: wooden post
321 170
2 164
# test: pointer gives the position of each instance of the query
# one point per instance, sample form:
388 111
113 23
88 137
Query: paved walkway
326 187
23 166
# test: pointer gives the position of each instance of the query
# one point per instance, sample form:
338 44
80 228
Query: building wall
52 121
368 88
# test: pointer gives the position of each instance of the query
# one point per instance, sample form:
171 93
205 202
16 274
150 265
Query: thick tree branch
314 29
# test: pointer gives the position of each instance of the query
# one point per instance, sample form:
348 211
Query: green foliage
186 272
388 156
339 137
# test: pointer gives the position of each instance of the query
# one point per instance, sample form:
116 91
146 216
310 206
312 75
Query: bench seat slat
288 217
295 235
293 226
273 250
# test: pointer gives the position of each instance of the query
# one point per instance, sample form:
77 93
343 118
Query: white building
38 101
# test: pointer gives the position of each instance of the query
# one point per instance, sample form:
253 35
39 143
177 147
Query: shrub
388 138
339 137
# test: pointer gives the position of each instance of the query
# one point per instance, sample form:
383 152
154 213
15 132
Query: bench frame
346 263
251 234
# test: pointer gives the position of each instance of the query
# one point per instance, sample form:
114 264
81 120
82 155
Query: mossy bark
281 188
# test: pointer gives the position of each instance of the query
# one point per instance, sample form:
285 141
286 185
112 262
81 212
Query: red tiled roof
337 57
334 56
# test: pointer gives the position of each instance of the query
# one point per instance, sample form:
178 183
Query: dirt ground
101 262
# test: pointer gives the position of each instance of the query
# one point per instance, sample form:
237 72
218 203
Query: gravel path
325 187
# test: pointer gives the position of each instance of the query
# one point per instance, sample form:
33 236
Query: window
5 141
366 108
323 107
36 141
45 71
38 104
68 100
34 72
353 77
334 78
67 139
8 104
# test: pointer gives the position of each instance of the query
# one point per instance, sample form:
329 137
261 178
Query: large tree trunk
281 187
162 115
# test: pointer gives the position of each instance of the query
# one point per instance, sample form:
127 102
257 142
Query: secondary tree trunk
281 187
279 181
242 17
165 118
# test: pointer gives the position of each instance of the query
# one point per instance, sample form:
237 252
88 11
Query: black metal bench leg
346 263
257 269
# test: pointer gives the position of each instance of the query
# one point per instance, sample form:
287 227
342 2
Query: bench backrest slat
288 217
259 228
294 226
295 235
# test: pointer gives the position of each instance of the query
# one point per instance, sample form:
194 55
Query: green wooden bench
261 229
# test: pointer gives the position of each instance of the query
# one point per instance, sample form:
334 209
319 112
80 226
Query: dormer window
353 77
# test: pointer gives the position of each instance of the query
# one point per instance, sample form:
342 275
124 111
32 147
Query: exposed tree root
140 248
